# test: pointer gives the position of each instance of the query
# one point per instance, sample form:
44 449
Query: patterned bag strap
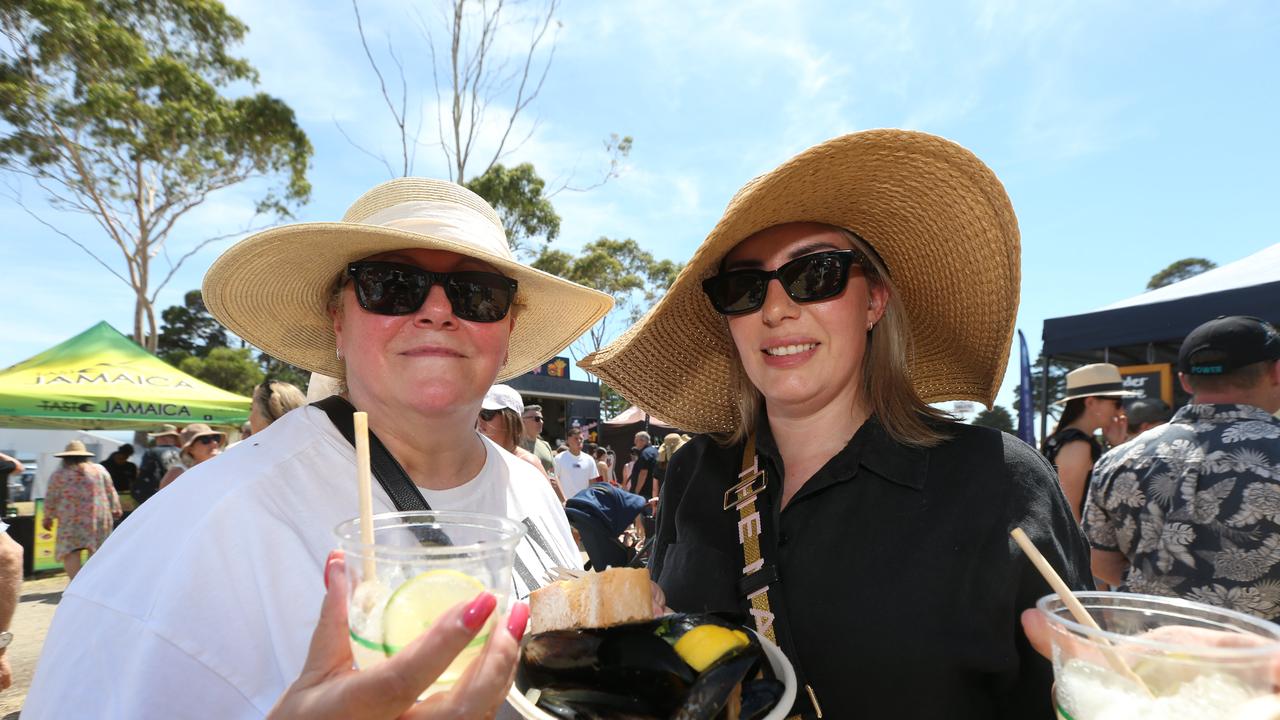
757 575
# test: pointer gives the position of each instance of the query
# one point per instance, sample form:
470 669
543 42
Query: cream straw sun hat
936 215
1096 380
272 288
75 448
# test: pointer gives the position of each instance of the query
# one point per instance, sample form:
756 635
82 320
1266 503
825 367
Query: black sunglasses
806 279
388 288
208 439
487 415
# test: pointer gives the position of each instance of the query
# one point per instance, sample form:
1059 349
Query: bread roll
596 600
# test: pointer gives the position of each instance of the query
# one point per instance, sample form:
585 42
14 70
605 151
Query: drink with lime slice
419 565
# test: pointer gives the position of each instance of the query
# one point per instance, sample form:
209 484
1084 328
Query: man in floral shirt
1192 508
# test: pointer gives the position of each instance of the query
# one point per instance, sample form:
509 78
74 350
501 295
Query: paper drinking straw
1069 598
365 485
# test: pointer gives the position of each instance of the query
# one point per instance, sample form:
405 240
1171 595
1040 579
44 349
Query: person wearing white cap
415 304
500 421
1094 401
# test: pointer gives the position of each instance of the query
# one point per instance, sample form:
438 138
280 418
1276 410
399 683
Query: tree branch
17 199
357 146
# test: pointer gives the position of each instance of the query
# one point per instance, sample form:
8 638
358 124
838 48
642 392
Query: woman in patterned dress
82 498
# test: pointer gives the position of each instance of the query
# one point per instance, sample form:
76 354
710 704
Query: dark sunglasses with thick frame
389 288
809 278
488 415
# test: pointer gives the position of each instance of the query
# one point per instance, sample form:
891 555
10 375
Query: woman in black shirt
862 528
1094 401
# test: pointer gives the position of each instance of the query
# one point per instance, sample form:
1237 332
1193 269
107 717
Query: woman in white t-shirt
416 304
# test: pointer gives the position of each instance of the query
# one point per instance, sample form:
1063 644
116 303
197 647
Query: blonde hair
274 398
886 385
513 424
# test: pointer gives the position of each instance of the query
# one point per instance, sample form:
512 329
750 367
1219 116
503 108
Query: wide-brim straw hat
934 213
1096 380
75 448
165 430
272 288
195 431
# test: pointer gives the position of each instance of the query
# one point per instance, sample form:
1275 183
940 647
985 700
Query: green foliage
619 268
283 371
611 403
518 194
231 369
189 330
997 417
1179 271
114 108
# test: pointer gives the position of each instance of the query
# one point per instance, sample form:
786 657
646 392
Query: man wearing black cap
1192 508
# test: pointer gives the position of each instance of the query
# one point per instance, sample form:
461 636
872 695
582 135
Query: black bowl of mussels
680 666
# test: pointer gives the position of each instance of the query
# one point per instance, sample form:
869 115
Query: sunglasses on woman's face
387 288
489 415
806 279
208 439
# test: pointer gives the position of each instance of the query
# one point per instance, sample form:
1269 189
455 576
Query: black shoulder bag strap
757 572
393 479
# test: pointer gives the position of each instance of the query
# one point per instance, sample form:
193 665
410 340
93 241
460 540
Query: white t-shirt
575 473
202 604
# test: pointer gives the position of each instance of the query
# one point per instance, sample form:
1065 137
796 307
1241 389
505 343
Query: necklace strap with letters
757 575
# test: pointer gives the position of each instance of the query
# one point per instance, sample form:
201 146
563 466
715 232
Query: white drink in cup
420 565
1197 662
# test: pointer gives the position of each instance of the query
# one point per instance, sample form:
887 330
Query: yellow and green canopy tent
101 380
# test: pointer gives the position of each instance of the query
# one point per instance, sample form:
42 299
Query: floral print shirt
1195 507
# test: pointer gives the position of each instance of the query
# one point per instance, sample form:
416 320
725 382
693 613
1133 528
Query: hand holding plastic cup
1197 662
419 565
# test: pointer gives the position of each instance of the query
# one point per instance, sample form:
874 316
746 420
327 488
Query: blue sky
1128 135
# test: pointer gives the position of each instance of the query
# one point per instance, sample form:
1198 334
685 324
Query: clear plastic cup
419 565
1198 662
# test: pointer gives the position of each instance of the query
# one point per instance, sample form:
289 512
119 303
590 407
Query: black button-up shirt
900 589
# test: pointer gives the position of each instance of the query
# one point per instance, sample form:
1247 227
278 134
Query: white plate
781 669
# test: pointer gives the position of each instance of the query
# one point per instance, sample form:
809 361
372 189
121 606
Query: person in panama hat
839 295
82 499
1094 401
415 305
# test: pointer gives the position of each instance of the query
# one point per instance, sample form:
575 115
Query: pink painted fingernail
330 564
517 621
479 610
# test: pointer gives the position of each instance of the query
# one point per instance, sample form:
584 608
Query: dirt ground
40 598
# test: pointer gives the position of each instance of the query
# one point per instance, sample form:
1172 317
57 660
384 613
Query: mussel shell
759 696
711 691
628 661
585 704
632 671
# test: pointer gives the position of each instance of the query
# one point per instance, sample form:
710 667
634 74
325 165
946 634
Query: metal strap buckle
745 490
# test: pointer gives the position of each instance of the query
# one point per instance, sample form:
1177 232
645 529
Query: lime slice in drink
420 601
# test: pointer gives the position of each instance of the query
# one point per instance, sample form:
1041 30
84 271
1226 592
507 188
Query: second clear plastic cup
1199 662
420 565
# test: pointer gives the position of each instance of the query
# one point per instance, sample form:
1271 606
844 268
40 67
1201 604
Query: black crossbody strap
393 479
